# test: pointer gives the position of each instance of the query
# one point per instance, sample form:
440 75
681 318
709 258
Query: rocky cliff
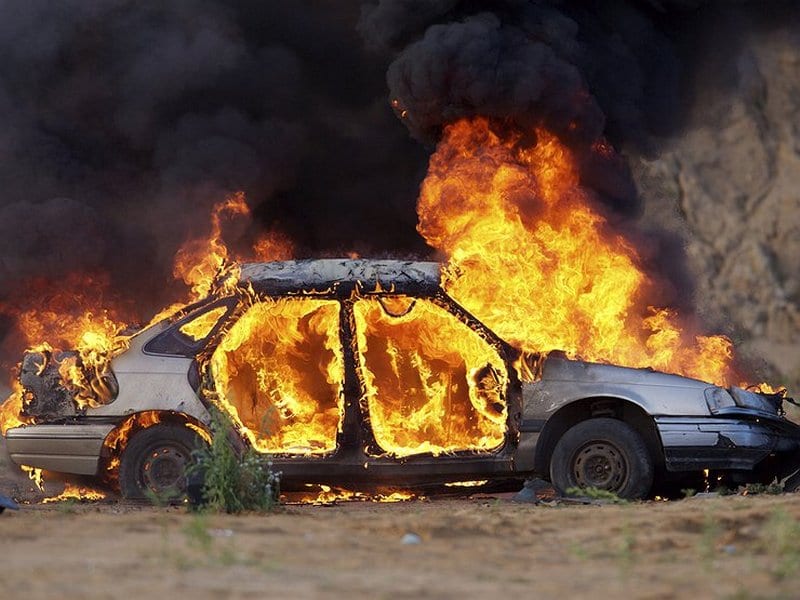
730 187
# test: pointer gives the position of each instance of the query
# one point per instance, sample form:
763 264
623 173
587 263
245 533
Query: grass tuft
234 482
782 542
595 494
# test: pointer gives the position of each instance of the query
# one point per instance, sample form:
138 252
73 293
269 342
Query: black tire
603 453
153 465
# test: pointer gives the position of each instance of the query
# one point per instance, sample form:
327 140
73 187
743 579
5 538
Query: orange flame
431 383
331 495
116 441
278 373
272 246
69 317
199 262
206 262
531 256
11 409
35 475
75 492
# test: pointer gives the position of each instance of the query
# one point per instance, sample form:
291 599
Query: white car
365 373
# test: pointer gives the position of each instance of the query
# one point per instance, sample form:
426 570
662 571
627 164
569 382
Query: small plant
595 494
782 542
753 489
234 482
722 490
67 507
708 540
688 492
197 534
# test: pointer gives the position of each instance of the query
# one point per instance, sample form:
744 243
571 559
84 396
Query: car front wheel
154 464
603 453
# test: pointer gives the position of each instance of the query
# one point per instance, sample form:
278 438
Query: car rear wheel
603 453
154 464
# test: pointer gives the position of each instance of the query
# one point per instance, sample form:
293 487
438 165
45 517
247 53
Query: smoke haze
122 123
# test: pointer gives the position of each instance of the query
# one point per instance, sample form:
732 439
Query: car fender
152 382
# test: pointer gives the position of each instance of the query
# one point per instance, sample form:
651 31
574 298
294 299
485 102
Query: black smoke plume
616 71
122 123
584 70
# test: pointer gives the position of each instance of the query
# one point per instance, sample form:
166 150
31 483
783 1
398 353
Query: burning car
366 373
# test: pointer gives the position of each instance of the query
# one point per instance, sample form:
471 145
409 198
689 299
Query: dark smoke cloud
583 70
121 124
615 70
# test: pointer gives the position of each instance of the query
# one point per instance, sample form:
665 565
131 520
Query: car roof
320 275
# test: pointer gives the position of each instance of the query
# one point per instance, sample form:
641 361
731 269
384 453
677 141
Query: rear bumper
735 442
63 448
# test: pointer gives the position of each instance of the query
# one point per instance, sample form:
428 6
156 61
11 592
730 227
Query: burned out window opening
279 372
189 334
425 375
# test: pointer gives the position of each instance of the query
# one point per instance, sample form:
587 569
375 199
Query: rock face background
730 187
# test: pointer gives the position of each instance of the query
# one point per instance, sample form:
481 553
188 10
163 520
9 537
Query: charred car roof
321 275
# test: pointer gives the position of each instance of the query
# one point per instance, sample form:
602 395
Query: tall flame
532 257
71 314
203 262
68 316
431 383
199 261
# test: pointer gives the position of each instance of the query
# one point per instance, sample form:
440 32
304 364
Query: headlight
718 398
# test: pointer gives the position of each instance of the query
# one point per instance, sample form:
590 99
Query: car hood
557 368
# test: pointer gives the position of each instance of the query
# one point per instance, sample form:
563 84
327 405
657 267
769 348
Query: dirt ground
718 547
733 547
709 547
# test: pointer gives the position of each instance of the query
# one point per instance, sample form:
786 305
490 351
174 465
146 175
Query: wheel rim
600 464
164 470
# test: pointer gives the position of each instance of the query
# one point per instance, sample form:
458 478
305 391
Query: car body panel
564 381
148 382
324 275
692 444
67 448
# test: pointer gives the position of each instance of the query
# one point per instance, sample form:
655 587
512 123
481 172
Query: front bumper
739 440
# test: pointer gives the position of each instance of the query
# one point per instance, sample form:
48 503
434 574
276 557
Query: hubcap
164 470
600 465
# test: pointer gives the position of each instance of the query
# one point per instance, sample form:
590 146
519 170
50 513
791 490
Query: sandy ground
718 547
722 547
738 547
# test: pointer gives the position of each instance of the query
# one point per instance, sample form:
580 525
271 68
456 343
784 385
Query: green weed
596 494
772 489
234 482
782 541
67 507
